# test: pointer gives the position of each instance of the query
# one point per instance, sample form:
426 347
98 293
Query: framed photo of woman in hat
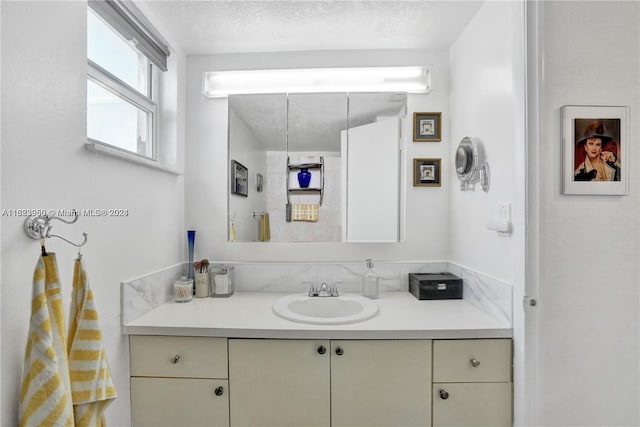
595 150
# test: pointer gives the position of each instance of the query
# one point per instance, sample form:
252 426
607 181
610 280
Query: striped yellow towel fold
265 228
45 398
92 388
311 213
297 212
304 212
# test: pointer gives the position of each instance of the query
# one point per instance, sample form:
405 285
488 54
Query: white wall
483 106
588 312
487 103
45 165
206 157
0 208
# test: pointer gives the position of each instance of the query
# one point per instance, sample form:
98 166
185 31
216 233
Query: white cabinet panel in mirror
328 164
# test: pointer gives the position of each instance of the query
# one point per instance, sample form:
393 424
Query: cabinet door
381 383
472 404
279 382
157 402
371 157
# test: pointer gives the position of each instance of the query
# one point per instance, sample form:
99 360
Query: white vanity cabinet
337 383
279 382
193 381
472 382
380 383
179 381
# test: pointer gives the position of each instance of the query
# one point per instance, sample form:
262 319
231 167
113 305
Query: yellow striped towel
311 213
304 212
265 228
45 398
92 388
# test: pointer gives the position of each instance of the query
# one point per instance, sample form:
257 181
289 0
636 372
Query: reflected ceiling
320 117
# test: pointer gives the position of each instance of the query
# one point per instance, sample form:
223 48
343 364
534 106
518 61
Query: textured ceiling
236 26
314 120
229 26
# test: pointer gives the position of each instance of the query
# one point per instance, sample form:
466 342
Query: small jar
183 289
202 284
222 281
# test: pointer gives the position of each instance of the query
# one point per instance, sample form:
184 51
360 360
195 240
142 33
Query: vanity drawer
483 360
472 404
171 402
187 357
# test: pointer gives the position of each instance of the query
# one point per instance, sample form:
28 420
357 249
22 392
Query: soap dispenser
370 282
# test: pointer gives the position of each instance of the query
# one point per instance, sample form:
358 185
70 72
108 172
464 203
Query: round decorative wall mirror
468 166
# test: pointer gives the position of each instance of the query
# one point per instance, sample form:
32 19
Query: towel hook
38 227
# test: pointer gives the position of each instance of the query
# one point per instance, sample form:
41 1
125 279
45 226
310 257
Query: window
125 56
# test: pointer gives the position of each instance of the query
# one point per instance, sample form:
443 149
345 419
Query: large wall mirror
322 167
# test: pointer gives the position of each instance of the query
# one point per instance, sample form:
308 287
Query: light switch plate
504 214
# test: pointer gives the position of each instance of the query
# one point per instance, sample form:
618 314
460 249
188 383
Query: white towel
45 398
92 388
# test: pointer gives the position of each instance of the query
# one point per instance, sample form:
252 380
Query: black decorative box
435 286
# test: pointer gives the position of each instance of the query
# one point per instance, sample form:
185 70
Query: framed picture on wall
426 173
427 127
595 150
239 179
259 182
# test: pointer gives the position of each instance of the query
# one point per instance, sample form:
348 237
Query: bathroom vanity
233 362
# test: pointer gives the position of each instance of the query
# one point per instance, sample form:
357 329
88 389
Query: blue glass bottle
191 240
304 177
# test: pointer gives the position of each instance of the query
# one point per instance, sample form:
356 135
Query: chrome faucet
325 290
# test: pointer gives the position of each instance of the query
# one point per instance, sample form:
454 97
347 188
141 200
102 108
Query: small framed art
595 150
259 182
426 173
239 179
427 127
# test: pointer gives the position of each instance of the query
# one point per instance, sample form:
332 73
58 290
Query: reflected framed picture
259 182
239 179
426 173
427 127
595 150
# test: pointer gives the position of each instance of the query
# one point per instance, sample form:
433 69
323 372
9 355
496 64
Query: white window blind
129 21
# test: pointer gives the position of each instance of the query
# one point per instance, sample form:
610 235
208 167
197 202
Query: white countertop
250 315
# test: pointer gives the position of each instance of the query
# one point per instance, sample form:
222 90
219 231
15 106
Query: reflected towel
311 213
92 389
304 212
297 212
45 398
232 233
265 228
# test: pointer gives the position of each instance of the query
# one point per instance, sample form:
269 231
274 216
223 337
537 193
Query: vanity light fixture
412 79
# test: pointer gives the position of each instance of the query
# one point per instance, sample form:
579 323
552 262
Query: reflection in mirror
347 144
371 166
315 122
257 127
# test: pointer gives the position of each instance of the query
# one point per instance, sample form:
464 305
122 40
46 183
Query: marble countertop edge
250 315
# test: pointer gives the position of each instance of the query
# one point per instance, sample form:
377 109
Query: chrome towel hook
38 227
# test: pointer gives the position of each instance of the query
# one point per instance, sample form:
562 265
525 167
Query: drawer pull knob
175 359
219 391
322 349
475 362
444 395
339 351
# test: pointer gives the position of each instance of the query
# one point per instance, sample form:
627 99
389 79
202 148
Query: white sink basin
325 310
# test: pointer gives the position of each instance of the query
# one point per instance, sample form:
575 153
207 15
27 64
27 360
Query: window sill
111 150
